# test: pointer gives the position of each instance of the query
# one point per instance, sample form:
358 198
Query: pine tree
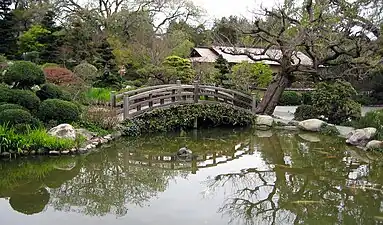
51 41
224 69
8 32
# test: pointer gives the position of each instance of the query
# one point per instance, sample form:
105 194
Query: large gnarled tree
333 33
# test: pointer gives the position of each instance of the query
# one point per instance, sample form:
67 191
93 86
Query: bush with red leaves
60 76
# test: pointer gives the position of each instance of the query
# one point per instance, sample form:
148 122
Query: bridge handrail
176 94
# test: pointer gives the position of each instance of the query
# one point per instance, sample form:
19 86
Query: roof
210 54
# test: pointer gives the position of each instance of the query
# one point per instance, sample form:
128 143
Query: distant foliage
31 39
86 71
335 101
22 74
181 68
372 119
222 65
244 75
58 110
290 98
59 76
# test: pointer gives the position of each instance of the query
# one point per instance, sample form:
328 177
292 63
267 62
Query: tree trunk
273 93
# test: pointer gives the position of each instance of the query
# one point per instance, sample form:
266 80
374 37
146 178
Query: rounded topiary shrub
50 91
305 112
15 116
10 106
58 110
6 94
86 72
25 98
22 74
290 98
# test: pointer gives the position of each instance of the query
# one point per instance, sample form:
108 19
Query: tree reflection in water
304 183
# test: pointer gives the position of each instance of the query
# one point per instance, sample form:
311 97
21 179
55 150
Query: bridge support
113 99
126 107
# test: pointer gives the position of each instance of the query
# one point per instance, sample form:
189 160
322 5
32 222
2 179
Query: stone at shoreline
5 154
103 141
314 125
73 150
282 122
63 131
184 152
309 137
65 152
116 134
84 132
360 137
82 150
54 153
95 143
108 137
374 144
264 120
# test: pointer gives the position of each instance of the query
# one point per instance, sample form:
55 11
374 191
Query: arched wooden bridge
136 102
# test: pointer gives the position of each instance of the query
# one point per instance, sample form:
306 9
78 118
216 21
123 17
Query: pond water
237 177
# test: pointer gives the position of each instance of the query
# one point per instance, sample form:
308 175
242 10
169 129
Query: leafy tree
30 41
182 68
60 76
245 74
224 69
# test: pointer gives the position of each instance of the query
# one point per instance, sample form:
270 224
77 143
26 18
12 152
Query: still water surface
238 177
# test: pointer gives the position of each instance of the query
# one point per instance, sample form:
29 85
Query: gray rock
65 152
63 131
314 125
33 152
184 152
374 144
309 137
360 137
116 134
264 120
73 150
54 153
103 141
5 154
108 137
90 146
85 133
95 143
82 150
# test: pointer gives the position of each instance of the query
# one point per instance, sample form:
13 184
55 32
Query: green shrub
329 130
10 106
182 117
24 75
58 110
307 98
46 65
51 91
290 98
365 99
98 95
87 72
305 112
335 101
372 119
15 116
25 98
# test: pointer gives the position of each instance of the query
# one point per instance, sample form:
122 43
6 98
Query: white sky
221 8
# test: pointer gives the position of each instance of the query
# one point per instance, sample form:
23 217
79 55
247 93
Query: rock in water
63 131
360 137
374 144
311 125
264 120
184 152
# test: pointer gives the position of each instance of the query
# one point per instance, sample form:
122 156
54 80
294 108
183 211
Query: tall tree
8 32
325 30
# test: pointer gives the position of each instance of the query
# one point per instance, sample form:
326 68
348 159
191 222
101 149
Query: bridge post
178 82
196 92
254 103
126 107
113 99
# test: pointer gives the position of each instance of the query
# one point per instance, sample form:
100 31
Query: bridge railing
136 102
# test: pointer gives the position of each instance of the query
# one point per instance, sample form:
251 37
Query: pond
236 177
